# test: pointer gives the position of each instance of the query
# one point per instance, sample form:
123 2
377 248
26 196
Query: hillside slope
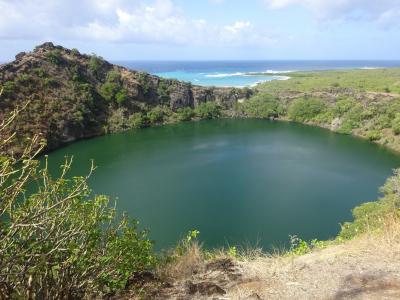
73 96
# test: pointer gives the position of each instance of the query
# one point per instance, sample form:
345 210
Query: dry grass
184 266
367 267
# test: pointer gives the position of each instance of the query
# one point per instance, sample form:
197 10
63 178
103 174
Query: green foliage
233 252
298 246
343 106
24 78
155 115
371 216
112 89
304 109
396 124
351 119
208 110
301 247
9 88
262 106
144 82
55 57
113 76
380 80
76 74
96 64
163 92
185 114
137 120
121 96
40 72
186 242
61 242
374 135
108 90
335 84
75 52
50 82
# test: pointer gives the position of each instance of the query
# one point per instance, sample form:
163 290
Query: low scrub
57 239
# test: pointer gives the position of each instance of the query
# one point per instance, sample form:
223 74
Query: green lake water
239 182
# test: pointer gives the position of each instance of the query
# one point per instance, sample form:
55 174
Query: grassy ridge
377 80
364 103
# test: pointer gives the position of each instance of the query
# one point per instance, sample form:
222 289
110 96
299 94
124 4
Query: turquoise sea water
220 79
243 73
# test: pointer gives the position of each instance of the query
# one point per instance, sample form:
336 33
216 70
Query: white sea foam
279 72
370 68
282 77
221 75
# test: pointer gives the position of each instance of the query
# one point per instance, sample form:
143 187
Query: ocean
245 73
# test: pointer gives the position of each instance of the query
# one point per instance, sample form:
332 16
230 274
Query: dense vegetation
57 240
359 104
378 80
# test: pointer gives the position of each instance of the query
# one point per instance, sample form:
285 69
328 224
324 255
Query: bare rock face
20 55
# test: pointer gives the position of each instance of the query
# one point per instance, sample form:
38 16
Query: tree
305 109
208 110
96 64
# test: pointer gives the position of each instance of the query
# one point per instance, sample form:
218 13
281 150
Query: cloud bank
384 12
123 21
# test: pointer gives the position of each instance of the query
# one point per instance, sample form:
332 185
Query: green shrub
384 121
75 52
96 64
208 110
24 78
9 88
40 72
374 135
262 106
144 82
50 82
163 92
113 76
343 106
305 109
61 242
325 117
156 115
352 119
396 124
121 96
76 74
55 57
371 216
346 127
109 90
137 120
185 114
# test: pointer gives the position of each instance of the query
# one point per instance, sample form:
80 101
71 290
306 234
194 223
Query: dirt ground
367 267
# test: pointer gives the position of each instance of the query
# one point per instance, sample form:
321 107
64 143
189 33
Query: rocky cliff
71 96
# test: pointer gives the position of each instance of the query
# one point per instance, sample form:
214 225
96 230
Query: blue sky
205 29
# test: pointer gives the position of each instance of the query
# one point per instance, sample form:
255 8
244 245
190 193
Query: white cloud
375 10
141 21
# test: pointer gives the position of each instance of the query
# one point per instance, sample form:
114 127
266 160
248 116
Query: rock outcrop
72 96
